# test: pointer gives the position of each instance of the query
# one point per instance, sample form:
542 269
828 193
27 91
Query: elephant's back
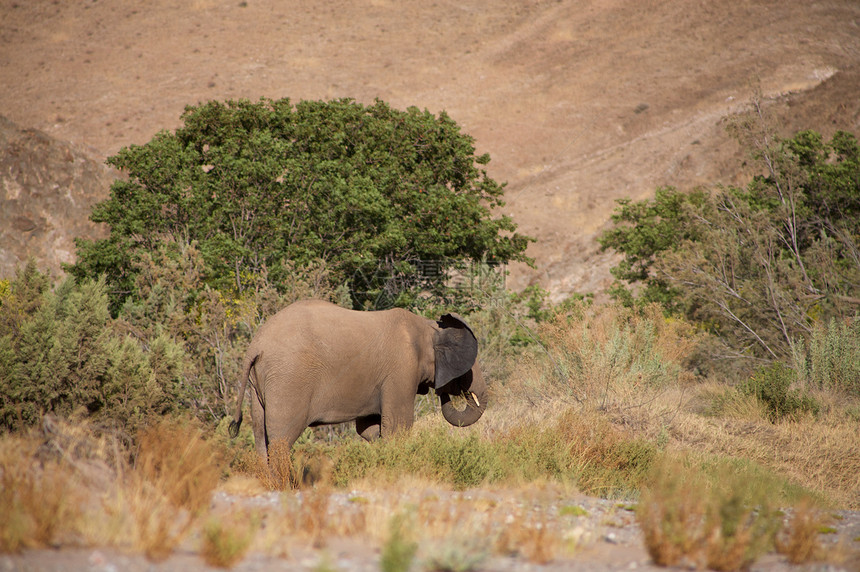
313 322
316 336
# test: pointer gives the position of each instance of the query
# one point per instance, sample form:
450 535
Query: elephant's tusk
475 397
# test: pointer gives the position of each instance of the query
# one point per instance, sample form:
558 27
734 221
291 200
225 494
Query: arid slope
579 103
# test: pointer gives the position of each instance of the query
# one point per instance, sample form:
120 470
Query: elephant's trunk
475 391
474 409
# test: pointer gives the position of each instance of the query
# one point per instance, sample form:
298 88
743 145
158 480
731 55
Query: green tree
760 265
268 186
645 229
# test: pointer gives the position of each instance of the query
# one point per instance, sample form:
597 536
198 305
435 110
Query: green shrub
832 360
226 541
772 386
399 550
60 352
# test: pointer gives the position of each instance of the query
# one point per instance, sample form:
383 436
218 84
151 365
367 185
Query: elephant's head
457 372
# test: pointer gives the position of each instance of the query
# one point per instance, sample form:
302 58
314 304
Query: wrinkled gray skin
315 363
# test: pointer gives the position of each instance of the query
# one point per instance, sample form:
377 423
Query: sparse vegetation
723 521
39 501
799 540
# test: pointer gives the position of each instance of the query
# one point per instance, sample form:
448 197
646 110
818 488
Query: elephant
315 363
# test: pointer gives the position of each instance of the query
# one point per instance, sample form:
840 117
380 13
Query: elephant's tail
250 360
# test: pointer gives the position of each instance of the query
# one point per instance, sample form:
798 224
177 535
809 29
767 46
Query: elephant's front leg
398 410
368 427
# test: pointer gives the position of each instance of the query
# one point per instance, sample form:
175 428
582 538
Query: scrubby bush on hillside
772 385
757 266
605 354
268 187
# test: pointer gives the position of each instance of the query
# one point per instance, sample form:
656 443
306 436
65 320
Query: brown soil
578 103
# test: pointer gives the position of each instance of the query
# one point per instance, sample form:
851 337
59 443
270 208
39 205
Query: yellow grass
39 499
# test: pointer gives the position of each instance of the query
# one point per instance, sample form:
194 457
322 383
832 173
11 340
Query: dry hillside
578 103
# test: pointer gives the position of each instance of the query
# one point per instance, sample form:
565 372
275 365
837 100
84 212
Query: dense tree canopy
262 187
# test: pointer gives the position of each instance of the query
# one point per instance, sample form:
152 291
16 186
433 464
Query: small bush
227 540
457 554
799 540
400 548
772 386
604 355
832 358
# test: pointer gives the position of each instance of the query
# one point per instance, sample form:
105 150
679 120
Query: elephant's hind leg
368 427
258 420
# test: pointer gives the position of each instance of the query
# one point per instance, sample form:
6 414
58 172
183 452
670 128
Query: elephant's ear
456 349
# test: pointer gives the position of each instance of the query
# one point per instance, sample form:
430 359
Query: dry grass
607 355
799 540
176 459
724 521
820 455
629 369
156 501
39 498
289 469
597 417
71 484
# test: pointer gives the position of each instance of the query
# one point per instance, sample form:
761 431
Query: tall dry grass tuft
723 519
799 540
175 458
39 498
156 525
276 474
159 498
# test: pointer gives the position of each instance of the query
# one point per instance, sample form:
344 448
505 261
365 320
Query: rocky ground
603 535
